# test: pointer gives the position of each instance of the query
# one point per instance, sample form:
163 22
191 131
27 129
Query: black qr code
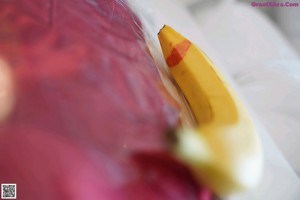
8 191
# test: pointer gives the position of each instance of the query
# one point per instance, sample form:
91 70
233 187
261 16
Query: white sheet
264 66
256 81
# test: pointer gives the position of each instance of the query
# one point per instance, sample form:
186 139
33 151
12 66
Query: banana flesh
224 151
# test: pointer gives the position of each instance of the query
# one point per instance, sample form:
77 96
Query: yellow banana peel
224 151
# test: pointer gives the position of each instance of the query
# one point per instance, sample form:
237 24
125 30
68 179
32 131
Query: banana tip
161 29
171 137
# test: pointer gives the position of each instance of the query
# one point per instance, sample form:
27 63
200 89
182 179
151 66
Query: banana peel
224 150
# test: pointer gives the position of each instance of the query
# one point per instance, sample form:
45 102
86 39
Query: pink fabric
88 105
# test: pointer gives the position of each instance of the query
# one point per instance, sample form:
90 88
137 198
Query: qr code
8 191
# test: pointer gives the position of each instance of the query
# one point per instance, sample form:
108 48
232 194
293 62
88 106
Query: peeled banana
224 151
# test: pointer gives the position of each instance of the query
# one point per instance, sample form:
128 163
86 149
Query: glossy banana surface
224 150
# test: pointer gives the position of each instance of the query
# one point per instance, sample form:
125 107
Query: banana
224 150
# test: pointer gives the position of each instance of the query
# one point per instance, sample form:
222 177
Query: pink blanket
90 114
